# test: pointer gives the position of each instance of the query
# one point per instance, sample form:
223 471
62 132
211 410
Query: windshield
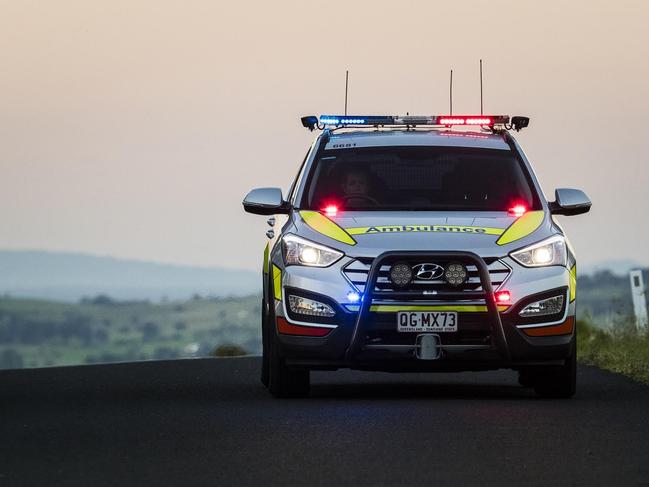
419 178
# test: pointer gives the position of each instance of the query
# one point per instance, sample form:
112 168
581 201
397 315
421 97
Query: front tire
560 382
284 381
265 368
526 378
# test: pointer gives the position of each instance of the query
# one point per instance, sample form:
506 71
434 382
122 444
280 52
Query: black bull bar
498 339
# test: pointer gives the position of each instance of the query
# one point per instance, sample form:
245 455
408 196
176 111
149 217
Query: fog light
549 306
400 274
310 307
455 274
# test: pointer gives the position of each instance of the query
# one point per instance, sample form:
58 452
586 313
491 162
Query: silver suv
417 244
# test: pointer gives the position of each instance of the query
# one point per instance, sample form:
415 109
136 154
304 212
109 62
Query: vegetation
604 293
228 351
621 349
37 333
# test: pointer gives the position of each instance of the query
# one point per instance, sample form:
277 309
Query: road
210 422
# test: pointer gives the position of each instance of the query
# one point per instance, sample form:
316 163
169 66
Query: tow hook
428 347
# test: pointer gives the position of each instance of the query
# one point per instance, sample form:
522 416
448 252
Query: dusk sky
135 128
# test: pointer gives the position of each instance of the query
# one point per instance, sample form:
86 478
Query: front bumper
365 339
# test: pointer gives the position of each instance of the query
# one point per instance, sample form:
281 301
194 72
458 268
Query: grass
229 351
621 349
35 333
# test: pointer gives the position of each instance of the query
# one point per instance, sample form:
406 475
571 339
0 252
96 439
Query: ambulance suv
417 244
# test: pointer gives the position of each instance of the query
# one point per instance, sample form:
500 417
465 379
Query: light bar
439 120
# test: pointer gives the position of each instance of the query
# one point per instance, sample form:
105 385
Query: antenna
346 86
481 112
451 94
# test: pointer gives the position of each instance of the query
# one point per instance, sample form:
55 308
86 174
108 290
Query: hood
489 234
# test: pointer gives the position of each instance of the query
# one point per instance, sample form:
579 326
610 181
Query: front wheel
264 344
284 381
526 378
560 382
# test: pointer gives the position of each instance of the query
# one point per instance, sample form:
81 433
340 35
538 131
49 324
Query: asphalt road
211 422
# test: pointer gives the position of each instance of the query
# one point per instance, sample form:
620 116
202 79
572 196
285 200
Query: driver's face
355 184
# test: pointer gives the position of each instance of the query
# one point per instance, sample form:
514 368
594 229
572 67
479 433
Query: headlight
551 251
299 251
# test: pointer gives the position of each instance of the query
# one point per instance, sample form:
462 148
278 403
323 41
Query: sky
135 128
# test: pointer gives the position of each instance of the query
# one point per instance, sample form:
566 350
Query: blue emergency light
337 120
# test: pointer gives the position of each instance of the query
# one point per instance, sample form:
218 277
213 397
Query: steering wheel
364 197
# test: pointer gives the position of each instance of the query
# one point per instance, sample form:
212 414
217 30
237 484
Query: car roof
444 138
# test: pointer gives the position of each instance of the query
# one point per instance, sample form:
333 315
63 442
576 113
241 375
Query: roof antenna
481 87
451 94
346 86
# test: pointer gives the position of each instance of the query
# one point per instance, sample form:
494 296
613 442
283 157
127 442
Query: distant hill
616 266
70 276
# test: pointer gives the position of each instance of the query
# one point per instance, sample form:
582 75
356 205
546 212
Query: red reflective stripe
286 328
564 328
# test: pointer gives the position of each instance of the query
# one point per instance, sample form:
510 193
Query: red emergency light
517 210
466 120
330 210
503 297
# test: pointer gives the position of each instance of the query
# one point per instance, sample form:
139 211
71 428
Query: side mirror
570 202
265 201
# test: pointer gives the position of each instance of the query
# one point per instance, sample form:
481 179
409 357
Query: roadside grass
37 333
229 351
621 349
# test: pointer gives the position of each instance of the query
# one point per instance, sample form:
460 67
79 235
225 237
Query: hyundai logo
427 271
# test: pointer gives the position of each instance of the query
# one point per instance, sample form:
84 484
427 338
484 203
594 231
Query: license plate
444 321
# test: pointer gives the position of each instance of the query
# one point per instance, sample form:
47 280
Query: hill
604 295
68 277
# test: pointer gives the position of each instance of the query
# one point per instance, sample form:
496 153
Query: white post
639 299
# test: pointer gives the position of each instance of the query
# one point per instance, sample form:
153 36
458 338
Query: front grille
357 271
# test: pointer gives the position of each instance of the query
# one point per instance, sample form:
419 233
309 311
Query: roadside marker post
639 299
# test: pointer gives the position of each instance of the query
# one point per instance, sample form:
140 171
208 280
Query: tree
150 331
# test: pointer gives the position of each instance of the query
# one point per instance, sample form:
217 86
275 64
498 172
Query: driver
355 185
